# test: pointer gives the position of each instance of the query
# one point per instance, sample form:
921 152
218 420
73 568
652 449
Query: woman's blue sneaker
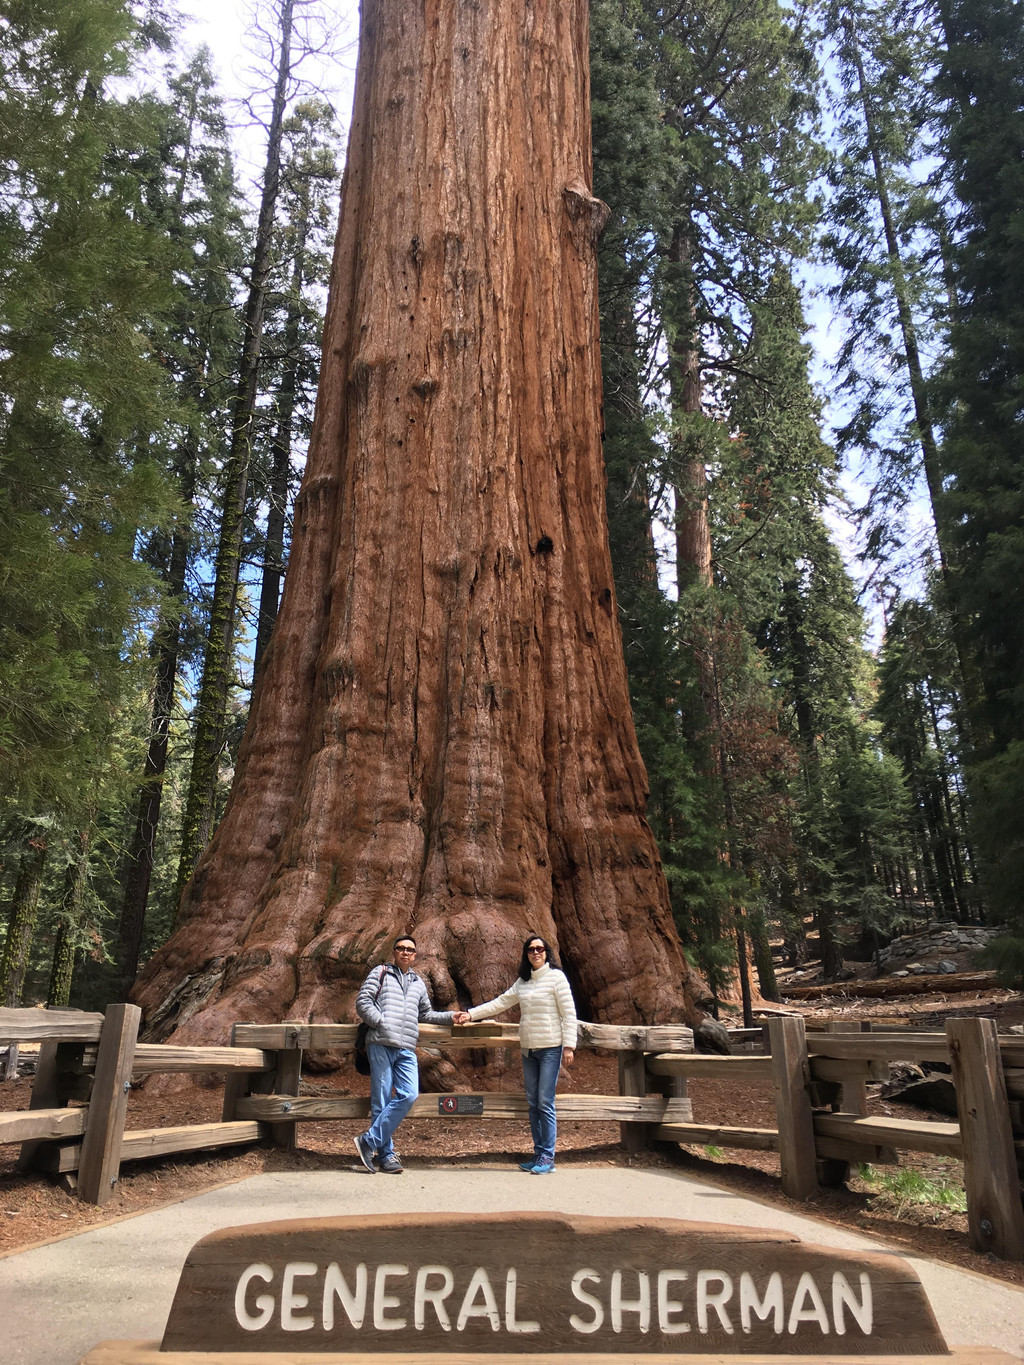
542 1168
529 1164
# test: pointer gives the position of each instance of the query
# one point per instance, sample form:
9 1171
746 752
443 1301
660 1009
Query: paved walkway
117 1282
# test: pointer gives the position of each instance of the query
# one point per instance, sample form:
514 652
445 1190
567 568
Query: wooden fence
819 1082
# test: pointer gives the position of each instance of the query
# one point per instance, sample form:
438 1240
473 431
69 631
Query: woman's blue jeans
540 1077
391 1069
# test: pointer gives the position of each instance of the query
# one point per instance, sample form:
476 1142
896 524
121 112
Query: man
393 1001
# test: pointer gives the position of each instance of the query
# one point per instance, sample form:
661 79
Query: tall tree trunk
969 677
440 738
692 525
281 453
138 867
70 918
218 659
21 921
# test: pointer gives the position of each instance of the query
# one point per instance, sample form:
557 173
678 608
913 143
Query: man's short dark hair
403 938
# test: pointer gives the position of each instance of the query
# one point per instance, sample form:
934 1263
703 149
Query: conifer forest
807 219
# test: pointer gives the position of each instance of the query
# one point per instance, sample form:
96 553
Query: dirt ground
33 1209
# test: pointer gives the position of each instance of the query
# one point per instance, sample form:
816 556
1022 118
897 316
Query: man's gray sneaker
366 1153
391 1165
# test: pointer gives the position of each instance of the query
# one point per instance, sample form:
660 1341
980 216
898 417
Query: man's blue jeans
540 1077
391 1069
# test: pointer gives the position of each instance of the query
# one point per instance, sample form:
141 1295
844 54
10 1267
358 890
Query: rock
711 1036
946 966
903 973
931 1090
914 967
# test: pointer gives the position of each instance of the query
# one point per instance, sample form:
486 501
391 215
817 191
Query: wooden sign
541 1283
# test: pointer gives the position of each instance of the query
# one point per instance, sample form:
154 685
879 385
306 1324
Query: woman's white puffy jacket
547 1012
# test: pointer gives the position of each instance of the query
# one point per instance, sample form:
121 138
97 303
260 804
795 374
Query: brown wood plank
633 1081
841 1070
912 1135
853 1094
143 1142
337 1037
31 1026
46 1094
718 1135
101 1145
855 1153
496 1105
1014 1078
151 1058
24 1125
9 1070
790 1078
893 1047
697 1064
286 1082
138 1143
637 1037
149 1353
995 1216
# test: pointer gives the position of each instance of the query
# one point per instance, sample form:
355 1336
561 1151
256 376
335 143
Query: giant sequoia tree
441 737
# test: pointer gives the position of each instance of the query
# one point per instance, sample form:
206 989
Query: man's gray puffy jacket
403 1003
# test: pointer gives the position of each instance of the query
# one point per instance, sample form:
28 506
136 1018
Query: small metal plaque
460 1104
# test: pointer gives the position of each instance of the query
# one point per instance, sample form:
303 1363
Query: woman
547 1037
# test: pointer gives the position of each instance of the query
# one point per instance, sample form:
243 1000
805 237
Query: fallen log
930 983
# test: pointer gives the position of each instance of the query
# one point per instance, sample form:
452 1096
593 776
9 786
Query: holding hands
460 1017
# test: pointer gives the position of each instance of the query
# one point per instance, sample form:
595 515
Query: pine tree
303 237
82 279
981 393
190 197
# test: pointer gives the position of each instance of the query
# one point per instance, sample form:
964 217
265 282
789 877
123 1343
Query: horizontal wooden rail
28 1125
146 1142
496 1105
33 1026
847 1071
676 1038
695 1065
909 1046
718 1135
159 1057
942 1139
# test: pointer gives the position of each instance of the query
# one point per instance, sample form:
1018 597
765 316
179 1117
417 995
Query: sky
223 25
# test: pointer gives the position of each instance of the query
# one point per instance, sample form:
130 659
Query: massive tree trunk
441 738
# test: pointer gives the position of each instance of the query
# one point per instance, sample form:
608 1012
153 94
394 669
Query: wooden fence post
236 1084
286 1082
853 1095
995 1215
633 1081
100 1161
790 1076
10 1068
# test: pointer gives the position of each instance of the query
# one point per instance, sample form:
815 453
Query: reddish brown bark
441 738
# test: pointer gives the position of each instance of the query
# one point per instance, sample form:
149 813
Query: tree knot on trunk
585 212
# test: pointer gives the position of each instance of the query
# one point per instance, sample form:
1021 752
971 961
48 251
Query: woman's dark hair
524 962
